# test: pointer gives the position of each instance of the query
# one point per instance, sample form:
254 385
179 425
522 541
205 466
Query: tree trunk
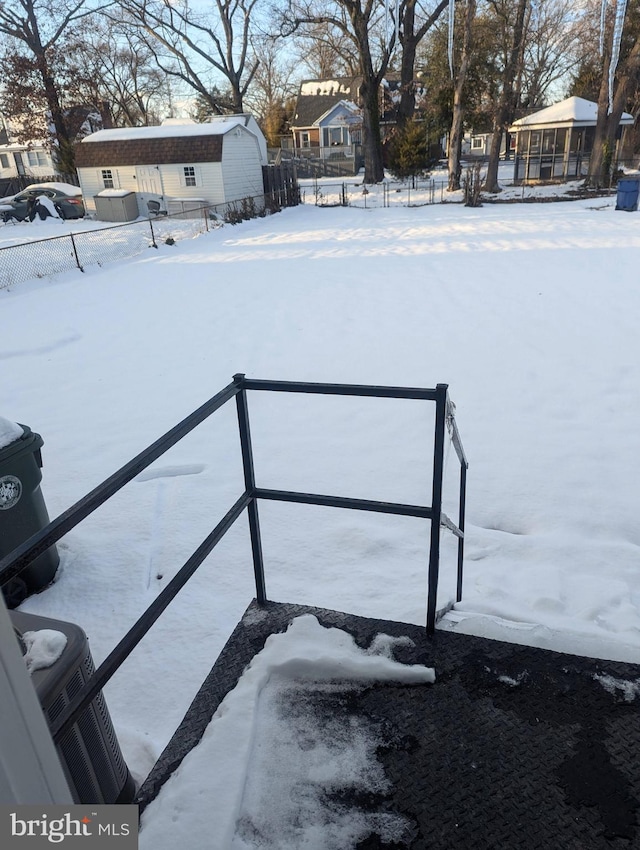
506 104
371 141
407 104
410 39
601 159
455 137
65 154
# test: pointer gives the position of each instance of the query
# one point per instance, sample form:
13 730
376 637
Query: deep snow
529 313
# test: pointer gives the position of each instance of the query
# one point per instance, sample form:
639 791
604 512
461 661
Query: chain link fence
357 194
43 257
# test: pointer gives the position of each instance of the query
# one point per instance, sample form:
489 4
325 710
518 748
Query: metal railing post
463 496
436 505
250 486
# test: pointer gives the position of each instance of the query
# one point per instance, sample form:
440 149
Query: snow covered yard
529 313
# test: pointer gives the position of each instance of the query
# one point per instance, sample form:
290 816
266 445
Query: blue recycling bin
628 190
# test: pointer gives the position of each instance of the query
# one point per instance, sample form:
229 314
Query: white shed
172 164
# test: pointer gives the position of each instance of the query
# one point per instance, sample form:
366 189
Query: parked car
66 198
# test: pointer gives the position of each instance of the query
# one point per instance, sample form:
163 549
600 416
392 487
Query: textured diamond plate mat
512 747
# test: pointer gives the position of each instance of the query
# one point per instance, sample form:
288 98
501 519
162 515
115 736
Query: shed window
190 176
107 178
4 160
477 142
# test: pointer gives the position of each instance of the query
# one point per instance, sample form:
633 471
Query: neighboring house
556 143
479 145
174 164
327 123
22 159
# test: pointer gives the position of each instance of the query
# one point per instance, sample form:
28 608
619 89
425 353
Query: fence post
75 252
436 505
153 238
250 486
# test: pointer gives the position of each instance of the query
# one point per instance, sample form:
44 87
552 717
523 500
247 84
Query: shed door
148 180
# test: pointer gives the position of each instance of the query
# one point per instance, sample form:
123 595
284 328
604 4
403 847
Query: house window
32 158
305 140
190 175
4 160
477 142
107 178
335 136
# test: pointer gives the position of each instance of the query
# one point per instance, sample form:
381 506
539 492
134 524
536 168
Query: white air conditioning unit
89 752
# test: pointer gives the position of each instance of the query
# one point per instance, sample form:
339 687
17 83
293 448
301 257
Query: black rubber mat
512 747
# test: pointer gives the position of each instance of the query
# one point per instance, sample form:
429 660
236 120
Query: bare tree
272 90
415 22
626 81
116 73
195 46
555 36
357 21
326 52
512 23
38 26
455 136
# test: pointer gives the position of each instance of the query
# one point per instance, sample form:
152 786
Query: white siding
91 182
209 182
241 165
239 175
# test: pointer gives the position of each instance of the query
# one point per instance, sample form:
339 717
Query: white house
174 164
21 159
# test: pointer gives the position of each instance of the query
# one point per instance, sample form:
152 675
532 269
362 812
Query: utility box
627 197
22 514
116 205
186 207
89 752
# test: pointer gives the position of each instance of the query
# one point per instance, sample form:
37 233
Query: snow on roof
172 122
324 87
165 131
573 110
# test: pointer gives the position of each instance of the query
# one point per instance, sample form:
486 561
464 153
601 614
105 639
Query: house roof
317 97
572 111
164 131
169 143
346 106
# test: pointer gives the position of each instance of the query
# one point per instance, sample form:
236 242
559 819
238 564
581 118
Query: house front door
148 180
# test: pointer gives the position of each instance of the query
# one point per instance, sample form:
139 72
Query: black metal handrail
24 554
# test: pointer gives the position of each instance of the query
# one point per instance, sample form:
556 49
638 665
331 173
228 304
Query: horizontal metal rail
343 502
340 389
22 555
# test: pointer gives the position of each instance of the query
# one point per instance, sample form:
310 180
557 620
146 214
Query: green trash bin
22 514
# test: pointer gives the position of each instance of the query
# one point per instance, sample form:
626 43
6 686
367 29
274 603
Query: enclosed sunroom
555 144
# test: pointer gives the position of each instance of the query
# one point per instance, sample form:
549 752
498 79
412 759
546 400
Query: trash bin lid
9 432
26 441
